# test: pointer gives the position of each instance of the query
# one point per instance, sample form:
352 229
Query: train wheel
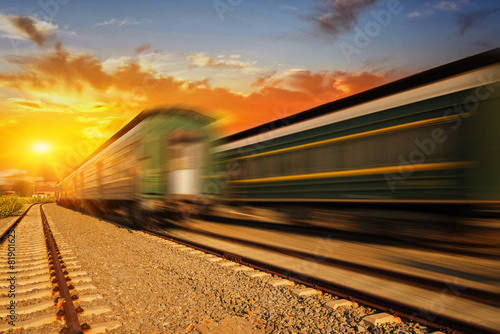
136 216
140 217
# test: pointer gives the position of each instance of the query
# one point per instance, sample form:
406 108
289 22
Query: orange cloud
92 103
131 87
25 103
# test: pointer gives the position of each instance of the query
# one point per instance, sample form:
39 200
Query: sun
41 147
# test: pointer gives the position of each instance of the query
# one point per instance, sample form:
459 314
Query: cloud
339 16
321 86
26 103
264 79
7 122
467 21
448 6
429 9
112 64
202 60
142 48
6 175
118 22
423 13
27 27
22 28
67 31
86 119
79 84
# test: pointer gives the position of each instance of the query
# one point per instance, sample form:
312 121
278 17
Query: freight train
430 141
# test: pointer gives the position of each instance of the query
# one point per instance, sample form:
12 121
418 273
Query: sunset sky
72 73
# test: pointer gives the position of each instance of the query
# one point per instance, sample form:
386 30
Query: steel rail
70 313
486 297
399 308
354 236
14 224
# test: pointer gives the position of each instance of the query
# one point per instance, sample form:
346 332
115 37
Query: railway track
42 288
410 242
447 292
448 304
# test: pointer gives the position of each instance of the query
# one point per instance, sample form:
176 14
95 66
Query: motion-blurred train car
154 163
429 142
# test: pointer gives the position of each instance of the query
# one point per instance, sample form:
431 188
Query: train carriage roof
146 113
398 86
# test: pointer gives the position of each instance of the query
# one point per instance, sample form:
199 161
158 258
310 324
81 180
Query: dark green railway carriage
430 138
154 163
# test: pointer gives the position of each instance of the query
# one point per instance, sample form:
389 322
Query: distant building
44 191
27 186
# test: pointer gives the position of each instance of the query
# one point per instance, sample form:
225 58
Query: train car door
185 163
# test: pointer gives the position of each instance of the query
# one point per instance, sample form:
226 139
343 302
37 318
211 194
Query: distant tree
23 188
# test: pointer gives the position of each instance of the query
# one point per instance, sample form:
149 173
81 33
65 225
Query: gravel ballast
153 286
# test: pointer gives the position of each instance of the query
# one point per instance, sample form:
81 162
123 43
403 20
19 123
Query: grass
38 200
12 205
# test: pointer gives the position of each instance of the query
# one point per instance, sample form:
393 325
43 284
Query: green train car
432 140
155 163
428 142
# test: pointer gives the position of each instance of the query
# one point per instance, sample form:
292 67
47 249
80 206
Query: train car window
282 163
348 154
292 162
257 168
299 162
416 145
323 158
261 166
192 152
306 156
286 159
335 156
398 145
106 170
450 148
275 165
175 157
372 150
366 153
313 159
239 171
270 164
362 153
320 158
251 168
441 142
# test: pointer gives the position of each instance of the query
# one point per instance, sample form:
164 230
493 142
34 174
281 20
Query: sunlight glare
41 147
